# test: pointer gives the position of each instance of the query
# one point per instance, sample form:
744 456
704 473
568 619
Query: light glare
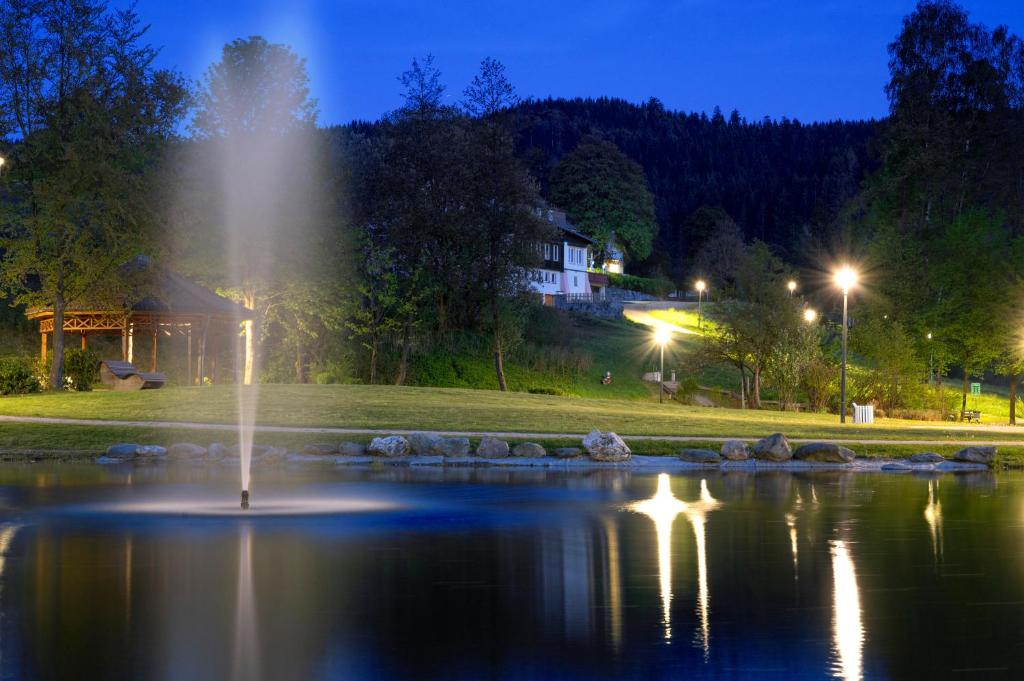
846 278
810 315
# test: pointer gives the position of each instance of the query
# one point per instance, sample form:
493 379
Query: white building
566 259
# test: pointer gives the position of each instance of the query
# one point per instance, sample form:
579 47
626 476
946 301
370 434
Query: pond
461 573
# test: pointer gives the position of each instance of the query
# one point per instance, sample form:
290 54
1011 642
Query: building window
575 282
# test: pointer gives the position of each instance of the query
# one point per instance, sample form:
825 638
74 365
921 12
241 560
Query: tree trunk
373 362
499 367
57 360
1014 381
300 364
755 388
963 400
403 364
743 388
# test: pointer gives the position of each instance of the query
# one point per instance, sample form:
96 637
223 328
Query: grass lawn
357 406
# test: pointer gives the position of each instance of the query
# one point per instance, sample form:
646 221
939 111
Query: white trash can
863 413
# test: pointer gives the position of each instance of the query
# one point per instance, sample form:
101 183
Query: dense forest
782 181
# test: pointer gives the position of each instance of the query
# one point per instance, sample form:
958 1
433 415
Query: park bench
972 416
118 375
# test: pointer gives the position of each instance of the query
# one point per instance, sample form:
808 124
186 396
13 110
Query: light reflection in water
848 631
791 523
246 663
662 509
696 513
933 516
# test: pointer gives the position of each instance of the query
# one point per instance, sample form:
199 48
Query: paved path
191 425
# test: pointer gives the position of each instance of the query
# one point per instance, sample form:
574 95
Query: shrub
655 287
544 390
17 376
81 368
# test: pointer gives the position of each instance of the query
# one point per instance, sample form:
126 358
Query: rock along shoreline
598 450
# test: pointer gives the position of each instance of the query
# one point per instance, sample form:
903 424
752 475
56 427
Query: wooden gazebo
169 304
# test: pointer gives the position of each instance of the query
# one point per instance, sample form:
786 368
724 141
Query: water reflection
933 516
662 509
847 631
696 513
246 663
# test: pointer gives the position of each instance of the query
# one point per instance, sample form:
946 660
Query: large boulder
393 445
775 447
150 452
605 446
492 448
122 451
529 450
735 450
824 452
705 456
451 446
926 457
976 454
422 444
566 452
185 451
320 449
351 449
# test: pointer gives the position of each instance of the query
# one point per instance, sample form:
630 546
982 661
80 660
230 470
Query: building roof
558 219
164 292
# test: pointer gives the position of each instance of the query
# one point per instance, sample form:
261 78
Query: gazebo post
202 350
124 341
131 343
85 343
42 347
188 356
152 356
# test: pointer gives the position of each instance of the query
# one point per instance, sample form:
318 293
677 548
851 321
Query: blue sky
811 60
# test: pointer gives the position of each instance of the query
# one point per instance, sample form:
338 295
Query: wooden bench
118 375
972 415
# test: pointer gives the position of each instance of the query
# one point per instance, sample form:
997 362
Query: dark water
490 574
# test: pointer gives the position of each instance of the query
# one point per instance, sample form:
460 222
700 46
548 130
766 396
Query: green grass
468 410
686 319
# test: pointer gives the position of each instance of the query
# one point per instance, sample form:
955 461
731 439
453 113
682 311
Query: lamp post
700 295
931 359
791 286
846 278
810 316
662 336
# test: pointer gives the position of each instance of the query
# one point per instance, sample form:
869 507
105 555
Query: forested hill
779 180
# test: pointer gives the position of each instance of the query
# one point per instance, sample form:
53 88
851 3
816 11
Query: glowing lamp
846 278
810 315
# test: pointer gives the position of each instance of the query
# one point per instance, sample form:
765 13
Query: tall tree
605 194
258 148
79 90
503 230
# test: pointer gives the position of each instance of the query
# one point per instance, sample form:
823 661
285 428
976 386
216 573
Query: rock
186 450
976 454
352 449
393 445
266 454
735 450
896 467
566 452
320 449
122 451
824 452
705 456
528 449
926 457
492 448
216 451
605 446
773 448
451 446
422 444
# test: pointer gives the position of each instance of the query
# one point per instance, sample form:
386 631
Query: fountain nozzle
245 500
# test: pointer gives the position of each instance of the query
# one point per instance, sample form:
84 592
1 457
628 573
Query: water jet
245 500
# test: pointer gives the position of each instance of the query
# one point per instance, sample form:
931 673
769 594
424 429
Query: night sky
809 59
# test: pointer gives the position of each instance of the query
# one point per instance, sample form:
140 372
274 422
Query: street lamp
700 295
931 359
810 315
846 279
791 286
662 335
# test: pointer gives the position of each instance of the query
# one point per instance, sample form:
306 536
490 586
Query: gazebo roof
166 293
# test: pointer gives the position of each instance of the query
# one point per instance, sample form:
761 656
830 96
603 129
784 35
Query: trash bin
863 413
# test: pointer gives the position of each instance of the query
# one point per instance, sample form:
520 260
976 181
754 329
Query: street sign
975 389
